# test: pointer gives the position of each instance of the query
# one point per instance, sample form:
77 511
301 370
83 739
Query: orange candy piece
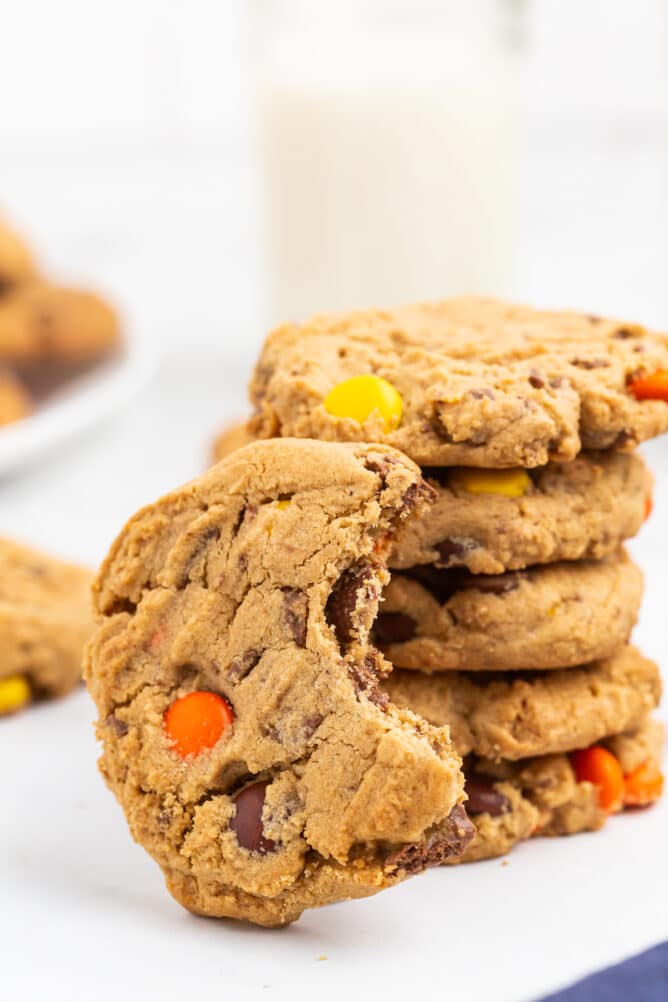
599 766
649 506
652 387
643 786
195 722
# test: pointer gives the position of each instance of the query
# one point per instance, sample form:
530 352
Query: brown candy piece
247 822
484 798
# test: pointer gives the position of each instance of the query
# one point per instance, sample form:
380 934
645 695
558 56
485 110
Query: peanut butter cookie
244 729
465 382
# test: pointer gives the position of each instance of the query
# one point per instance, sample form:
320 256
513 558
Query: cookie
45 621
16 261
551 794
244 730
49 323
554 616
465 382
491 521
15 402
520 715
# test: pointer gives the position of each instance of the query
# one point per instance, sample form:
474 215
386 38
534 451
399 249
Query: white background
125 151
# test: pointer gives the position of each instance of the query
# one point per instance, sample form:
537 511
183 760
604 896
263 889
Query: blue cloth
641 979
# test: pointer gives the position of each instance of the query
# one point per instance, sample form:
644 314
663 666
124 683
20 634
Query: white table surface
83 911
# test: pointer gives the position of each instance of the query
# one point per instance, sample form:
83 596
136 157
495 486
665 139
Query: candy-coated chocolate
196 722
652 387
14 693
599 766
511 483
643 786
363 396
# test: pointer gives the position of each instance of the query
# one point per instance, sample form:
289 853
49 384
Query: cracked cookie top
244 729
466 382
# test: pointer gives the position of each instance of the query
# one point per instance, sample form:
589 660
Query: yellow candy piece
14 693
282 505
362 396
510 483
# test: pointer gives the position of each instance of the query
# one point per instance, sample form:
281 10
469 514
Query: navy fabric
641 979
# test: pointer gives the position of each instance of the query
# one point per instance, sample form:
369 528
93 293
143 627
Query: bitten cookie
555 616
15 401
491 521
16 260
49 323
45 621
561 794
465 382
244 730
519 715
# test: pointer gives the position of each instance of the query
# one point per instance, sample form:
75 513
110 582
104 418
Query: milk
389 168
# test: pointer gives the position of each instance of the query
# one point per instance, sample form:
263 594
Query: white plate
89 399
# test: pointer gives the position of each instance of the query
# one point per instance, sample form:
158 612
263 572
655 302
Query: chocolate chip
352 603
295 614
443 583
591 363
206 537
623 334
310 725
481 394
484 798
451 551
118 726
365 675
417 496
247 822
450 839
536 379
556 382
394 627
243 664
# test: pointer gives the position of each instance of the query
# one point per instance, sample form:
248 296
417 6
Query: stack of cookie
510 608
49 334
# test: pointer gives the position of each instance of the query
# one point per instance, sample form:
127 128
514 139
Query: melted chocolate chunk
623 334
295 614
450 840
591 363
443 584
351 603
119 727
536 379
451 551
247 822
394 627
484 798
243 664
365 676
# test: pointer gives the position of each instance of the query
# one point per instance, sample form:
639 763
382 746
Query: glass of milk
388 136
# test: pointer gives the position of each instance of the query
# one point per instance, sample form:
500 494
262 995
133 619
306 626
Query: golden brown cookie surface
481 382
253 590
520 715
551 616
